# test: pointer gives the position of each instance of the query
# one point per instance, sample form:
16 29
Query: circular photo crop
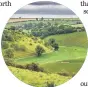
44 44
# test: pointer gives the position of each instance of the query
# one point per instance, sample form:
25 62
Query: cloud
45 9
44 3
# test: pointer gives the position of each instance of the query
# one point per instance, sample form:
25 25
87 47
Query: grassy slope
24 40
38 79
64 53
71 46
74 49
69 66
72 39
30 48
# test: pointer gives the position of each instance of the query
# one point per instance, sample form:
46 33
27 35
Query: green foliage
22 48
39 50
53 43
9 37
38 79
71 39
9 53
12 27
59 65
34 67
55 46
50 84
9 62
15 46
51 60
18 47
4 44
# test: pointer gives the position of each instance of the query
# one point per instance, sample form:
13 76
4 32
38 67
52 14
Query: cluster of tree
51 42
55 29
43 29
39 50
8 37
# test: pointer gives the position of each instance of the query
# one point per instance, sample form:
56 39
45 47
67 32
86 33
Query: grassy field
64 53
69 58
59 66
73 39
70 48
69 66
38 79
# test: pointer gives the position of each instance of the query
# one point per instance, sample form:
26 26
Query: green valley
44 53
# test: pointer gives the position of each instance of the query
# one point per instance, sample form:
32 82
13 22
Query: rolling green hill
68 66
38 79
24 45
71 46
19 50
73 39
64 53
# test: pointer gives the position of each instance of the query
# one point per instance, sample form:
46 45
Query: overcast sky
44 9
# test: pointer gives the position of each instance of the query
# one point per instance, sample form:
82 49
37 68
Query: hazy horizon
44 9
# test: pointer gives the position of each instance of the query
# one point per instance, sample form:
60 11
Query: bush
18 48
51 41
22 48
4 44
50 84
55 46
30 43
9 62
13 28
9 53
15 46
39 50
20 66
46 44
9 37
34 67
3 38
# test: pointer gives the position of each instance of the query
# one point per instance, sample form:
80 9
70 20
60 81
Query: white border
7 79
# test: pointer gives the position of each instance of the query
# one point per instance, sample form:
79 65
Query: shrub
3 38
55 46
30 43
39 50
50 84
15 46
4 44
9 37
9 62
13 28
34 67
9 53
51 41
46 44
18 48
22 48
20 66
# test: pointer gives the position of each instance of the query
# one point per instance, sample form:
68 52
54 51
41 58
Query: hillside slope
72 39
38 79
